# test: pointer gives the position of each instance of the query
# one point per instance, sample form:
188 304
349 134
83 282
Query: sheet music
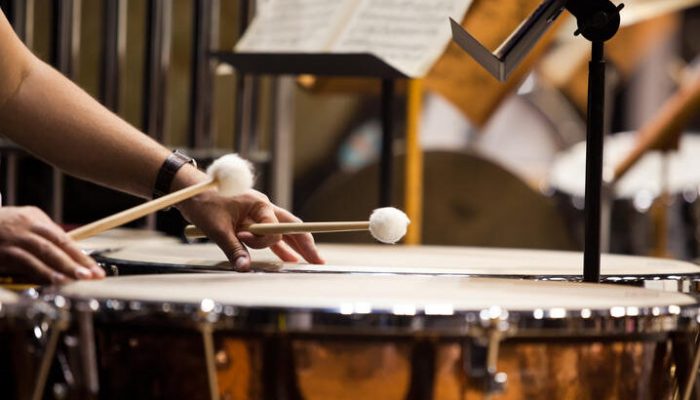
410 35
296 25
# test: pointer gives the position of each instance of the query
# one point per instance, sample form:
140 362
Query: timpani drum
632 229
656 273
361 336
123 237
29 331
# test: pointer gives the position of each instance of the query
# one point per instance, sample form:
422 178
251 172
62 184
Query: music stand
598 21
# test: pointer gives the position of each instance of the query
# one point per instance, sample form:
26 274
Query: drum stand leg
46 360
208 340
88 357
691 386
480 357
278 372
423 371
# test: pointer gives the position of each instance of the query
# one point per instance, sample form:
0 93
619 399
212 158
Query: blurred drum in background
646 272
632 229
468 200
29 331
352 336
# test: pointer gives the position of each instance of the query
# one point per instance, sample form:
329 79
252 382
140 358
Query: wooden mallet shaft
139 211
193 232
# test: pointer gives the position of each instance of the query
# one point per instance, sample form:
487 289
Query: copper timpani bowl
350 336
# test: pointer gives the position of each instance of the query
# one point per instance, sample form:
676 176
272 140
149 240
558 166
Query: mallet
387 225
230 174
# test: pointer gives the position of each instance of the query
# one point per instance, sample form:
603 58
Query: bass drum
468 200
632 228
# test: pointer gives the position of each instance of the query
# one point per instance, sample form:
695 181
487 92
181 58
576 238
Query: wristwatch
167 172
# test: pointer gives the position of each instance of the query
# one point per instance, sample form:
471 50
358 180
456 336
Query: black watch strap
167 172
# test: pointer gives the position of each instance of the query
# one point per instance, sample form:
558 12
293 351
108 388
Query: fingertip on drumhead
242 264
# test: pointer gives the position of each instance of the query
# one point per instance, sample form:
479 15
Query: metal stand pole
386 169
242 100
597 21
114 61
594 162
206 30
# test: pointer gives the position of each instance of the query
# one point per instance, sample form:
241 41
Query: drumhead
568 170
122 237
438 299
400 259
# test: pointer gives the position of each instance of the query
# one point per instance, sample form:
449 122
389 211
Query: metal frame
206 39
114 22
158 41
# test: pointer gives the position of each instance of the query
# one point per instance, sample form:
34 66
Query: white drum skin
648 272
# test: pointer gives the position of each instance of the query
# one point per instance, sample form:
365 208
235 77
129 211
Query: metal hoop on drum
25 316
483 327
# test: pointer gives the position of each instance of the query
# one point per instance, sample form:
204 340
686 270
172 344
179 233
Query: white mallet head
233 174
388 225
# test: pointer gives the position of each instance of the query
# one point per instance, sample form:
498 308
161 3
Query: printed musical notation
295 25
410 35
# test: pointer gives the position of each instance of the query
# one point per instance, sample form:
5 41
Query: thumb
235 251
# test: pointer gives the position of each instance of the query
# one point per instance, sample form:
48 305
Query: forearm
54 119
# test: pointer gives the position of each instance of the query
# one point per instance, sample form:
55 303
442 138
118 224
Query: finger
303 243
285 216
61 239
260 212
258 241
284 253
235 251
51 255
26 263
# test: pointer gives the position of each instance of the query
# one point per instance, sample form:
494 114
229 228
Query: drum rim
554 322
31 308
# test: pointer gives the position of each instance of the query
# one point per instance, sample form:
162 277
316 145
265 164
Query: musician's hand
35 248
222 219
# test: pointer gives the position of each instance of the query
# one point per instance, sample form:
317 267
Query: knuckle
261 207
31 211
263 197
63 240
44 248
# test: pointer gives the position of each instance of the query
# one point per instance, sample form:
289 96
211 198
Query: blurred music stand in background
597 21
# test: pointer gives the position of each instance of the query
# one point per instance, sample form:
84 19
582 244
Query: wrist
172 164
187 176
